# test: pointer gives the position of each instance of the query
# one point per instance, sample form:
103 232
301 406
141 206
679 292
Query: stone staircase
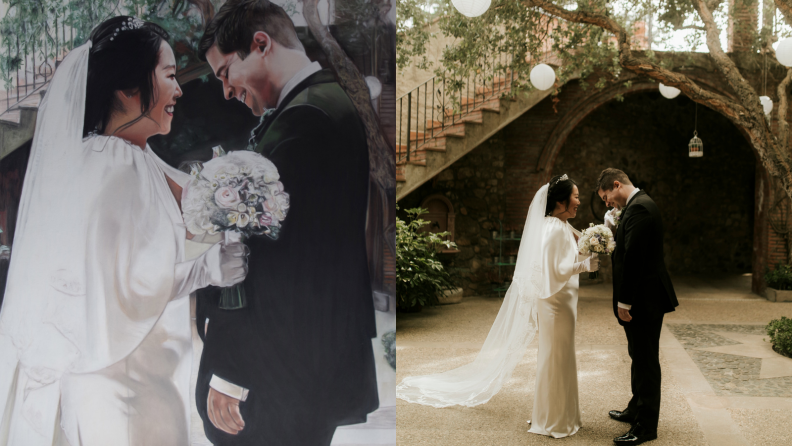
438 144
18 124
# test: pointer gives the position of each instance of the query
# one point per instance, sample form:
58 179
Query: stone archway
704 200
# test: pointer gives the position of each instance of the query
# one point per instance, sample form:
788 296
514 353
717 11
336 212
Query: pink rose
271 205
265 220
227 197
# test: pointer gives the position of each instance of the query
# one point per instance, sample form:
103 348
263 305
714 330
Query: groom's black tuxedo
303 344
640 279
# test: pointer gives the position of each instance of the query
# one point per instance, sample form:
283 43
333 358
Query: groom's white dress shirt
216 382
621 305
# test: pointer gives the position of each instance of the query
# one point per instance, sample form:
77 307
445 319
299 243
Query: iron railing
430 109
31 60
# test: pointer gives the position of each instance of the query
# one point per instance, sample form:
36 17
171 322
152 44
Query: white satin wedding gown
95 334
543 298
556 411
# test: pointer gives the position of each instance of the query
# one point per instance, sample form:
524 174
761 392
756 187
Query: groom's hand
224 412
624 314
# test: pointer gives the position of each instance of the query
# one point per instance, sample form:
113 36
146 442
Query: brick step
475 116
400 175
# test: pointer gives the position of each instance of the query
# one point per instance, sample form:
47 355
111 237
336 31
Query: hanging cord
695 126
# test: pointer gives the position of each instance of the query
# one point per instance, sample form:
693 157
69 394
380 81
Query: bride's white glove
591 264
223 265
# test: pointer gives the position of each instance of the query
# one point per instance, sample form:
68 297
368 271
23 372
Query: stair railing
30 59
428 110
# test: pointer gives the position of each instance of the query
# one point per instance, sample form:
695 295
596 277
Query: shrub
780 278
420 275
780 332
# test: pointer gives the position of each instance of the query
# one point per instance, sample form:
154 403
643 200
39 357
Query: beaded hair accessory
131 23
562 178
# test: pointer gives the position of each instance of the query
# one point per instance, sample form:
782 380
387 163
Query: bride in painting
95 336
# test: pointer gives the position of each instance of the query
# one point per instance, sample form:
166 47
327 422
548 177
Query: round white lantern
543 77
784 52
669 92
471 8
767 104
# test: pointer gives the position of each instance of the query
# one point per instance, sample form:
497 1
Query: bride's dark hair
560 191
124 55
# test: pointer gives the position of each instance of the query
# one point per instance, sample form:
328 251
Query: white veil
514 328
93 264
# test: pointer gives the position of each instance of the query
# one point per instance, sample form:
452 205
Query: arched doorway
709 204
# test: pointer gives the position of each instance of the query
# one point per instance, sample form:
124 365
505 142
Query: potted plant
780 332
421 276
779 284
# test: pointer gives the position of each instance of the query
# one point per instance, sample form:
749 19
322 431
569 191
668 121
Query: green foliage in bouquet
420 275
389 342
780 278
780 332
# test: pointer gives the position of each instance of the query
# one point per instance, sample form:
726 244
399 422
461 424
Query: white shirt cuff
625 306
226 388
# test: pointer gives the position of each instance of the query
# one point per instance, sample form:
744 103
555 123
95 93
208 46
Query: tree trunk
382 156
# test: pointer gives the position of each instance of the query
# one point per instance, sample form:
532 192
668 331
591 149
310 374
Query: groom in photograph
297 361
642 294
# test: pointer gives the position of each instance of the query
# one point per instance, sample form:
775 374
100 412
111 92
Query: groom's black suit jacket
303 345
640 278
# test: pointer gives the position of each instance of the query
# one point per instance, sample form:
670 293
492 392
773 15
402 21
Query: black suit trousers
643 345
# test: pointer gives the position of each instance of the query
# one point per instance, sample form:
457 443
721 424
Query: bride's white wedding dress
543 296
95 337
556 411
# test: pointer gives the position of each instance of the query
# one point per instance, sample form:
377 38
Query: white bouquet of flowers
240 194
596 240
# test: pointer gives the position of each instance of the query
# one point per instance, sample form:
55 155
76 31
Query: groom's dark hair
233 26
608 176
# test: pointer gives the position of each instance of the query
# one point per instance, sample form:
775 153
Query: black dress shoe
636 435
626 415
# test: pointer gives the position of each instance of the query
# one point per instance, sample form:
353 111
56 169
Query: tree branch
786 10
641 66
726 66
783 104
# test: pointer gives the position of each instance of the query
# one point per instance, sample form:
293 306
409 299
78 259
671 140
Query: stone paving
729 374
715 366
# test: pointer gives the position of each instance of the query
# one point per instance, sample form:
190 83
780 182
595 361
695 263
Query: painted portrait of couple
198 229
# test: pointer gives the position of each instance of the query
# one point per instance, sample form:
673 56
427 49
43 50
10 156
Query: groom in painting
297 361
642 294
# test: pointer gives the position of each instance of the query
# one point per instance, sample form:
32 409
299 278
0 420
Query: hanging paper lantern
784 52
696 146
471 8
669 92
543 77
767 104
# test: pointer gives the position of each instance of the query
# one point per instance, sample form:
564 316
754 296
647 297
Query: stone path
714 392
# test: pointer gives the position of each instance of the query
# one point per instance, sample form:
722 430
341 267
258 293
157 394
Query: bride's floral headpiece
130 24
563 177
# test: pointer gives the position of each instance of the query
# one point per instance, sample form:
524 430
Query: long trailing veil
508 339
94 254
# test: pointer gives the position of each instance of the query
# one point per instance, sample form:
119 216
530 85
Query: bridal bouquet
239 194
596 240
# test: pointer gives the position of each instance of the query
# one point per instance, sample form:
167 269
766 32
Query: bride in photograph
95 334
542 298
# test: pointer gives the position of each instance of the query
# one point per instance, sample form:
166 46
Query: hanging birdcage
696 146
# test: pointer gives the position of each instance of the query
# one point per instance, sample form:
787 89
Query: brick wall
475 185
